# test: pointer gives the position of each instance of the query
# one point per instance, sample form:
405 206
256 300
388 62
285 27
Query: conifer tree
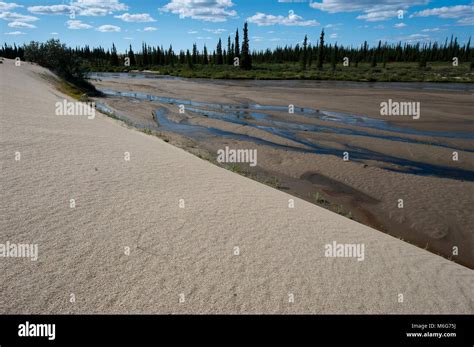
220 59
321 51
246 61
237 44
304 53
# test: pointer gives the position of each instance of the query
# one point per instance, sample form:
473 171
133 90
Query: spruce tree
114 61
230 58
195 54
304 53
220 59
189 59
237 44
205 57
246 61
374 59
131 56
321 51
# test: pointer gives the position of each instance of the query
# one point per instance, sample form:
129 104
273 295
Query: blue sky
271 22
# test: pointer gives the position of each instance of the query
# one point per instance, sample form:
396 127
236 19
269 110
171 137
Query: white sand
179 250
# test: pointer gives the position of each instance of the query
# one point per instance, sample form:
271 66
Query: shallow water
465 87
284 129
233 111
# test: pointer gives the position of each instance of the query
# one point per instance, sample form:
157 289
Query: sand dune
174 250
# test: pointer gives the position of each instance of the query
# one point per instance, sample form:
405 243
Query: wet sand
401 158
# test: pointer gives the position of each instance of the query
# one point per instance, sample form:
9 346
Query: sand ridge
82 251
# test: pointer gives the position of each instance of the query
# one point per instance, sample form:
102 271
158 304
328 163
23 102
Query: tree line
237 53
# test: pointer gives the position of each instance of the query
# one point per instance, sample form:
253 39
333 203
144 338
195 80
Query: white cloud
81 8
466 21
77 25
150 29
262 19
139 17
333 36
375 10
206 10
108 28
215 31
399 25
378 16
53 9
335 6
413 38
257 38
5 6
17 17
192 32
15 33
379 27
204 38
458 11
54 33
431 30
20 25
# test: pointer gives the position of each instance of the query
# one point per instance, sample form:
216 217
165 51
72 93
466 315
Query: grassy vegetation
392 72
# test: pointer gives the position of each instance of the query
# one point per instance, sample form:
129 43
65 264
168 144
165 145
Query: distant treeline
238 53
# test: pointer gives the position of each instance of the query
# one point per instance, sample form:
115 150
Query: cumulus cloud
399 25
139 17
262 19
374 10
5 6
108 28
77 25
21 25
447 12
81 8
16 17
466 21
464 13
53 9
150 29
208 10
